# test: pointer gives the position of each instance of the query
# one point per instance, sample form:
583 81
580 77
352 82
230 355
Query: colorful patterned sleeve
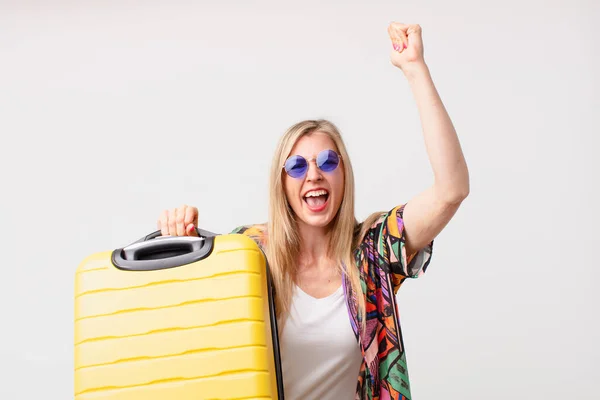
389 239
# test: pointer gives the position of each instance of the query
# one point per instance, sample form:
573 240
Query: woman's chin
316 217
316 221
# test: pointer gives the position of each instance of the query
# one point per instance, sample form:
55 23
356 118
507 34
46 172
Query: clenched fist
407 45
180 221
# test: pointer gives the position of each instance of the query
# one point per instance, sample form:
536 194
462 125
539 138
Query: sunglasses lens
328 160
295 166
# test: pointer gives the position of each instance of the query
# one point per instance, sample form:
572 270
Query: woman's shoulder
381 227
257 232
369 225
255 229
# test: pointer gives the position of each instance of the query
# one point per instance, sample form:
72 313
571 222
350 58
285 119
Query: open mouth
316 200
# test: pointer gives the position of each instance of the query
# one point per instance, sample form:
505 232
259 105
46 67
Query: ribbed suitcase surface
196 331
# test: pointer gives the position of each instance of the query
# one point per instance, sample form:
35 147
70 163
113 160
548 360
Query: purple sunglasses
327 160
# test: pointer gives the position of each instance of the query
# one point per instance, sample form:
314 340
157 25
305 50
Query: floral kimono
384 265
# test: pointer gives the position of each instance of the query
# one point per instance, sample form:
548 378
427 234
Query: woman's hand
180 221
407 46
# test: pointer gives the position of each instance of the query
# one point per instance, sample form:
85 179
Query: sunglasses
327 161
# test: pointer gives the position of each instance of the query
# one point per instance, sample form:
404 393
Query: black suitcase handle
155 252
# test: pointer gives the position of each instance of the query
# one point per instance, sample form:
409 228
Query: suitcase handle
157 235
155 252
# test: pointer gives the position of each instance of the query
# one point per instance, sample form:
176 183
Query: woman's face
315 197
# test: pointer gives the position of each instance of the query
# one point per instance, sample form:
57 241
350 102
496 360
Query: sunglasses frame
308 161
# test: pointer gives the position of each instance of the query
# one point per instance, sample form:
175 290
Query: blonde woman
335 279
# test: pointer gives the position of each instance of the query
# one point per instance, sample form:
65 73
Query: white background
112 111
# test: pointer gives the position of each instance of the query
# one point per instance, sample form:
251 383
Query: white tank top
320 355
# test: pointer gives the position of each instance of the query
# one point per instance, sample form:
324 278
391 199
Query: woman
335 279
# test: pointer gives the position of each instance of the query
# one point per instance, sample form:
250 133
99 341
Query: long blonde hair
283 240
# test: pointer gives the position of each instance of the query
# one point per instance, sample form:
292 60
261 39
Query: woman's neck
314 244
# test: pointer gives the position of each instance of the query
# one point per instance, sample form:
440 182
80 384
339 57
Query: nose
314 173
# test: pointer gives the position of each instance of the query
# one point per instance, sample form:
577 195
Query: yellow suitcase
176 318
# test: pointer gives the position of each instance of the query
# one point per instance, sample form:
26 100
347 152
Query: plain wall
113 111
